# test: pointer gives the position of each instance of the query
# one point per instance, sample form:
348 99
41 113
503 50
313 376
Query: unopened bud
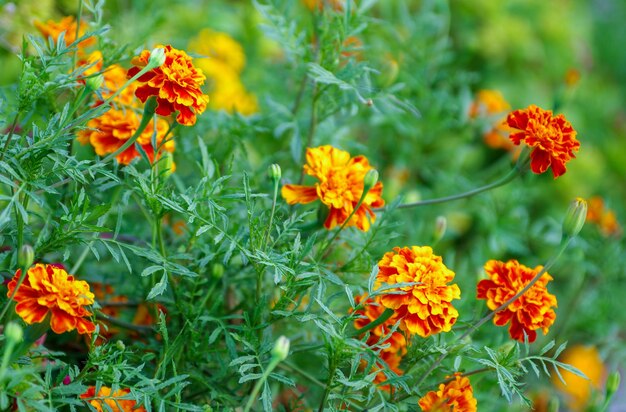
441 223
371 177
95 82
25 256
274 172
120 345
157 58
612 384
217 271
575 217
13 332
281 348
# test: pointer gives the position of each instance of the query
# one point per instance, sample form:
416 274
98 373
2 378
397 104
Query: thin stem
257 387
269 227
331 374
79 15
24 272
503 306
11 131
125 325
312 126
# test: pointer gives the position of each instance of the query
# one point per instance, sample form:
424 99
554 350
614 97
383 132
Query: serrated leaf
159 288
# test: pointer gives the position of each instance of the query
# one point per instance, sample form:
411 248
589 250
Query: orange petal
298 194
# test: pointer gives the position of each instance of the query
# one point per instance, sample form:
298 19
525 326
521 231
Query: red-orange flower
68 25
424 308
391 355
340 187
176 85
552 138
48 289
456 395
336 5
532 311
491 104
110 131
603 217
112 400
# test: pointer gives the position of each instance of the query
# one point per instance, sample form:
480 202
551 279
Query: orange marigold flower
426 307
492 105
176 85
552 138
49 289
531 311
578 390
396 349
336 5
603 217
105 396
110 131
340 187
457 395
67 24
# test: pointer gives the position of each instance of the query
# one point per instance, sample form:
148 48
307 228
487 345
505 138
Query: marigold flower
93 62
578 390
336 5
218 48
105 396
552 138
456 395
603 217
396 349
110 131
176 85
424 308
492 105
48 289
531 311
340 187
67 24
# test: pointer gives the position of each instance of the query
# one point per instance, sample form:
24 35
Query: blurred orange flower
491 104
66 25
176 85
340 187
551 138
105 396
605 218
578 390
391 355
336 5
424 308
48 289
532 311
456 395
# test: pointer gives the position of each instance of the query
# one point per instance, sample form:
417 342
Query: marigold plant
455 395
105 399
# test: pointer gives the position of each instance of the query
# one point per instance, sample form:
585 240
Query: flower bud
120 345
67 380
441 223
575 217
95 82
612 384
25 256
274 172
157 58
371 177
217 271
13 332
281 348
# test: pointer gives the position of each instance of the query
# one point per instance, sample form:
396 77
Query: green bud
575 217
13 332
612 384
371 177
274 172
157 58
441 223
120 345
25 256
217 271
94 83
281 348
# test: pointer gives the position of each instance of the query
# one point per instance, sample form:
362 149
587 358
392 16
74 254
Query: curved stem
11 131
257 387
269 227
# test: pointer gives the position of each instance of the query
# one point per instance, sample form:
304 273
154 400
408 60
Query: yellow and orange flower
531 311
551 138
48 289
110 131
424 308
176 85
340 187
603 217
67 24
491 104
336 5
219 48
112 400
92 62
577 390
391 355
456 395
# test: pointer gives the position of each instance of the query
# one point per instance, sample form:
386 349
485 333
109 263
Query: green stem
331 374
11 131
79 15
269 227
24 272
503 306
257 387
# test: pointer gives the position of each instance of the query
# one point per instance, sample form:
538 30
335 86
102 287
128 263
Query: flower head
425 307
531 311
603 217
393 343
491 105
340 187
176 85
106 396
66 25
219 48
578 390
456 395
48 289
552 138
